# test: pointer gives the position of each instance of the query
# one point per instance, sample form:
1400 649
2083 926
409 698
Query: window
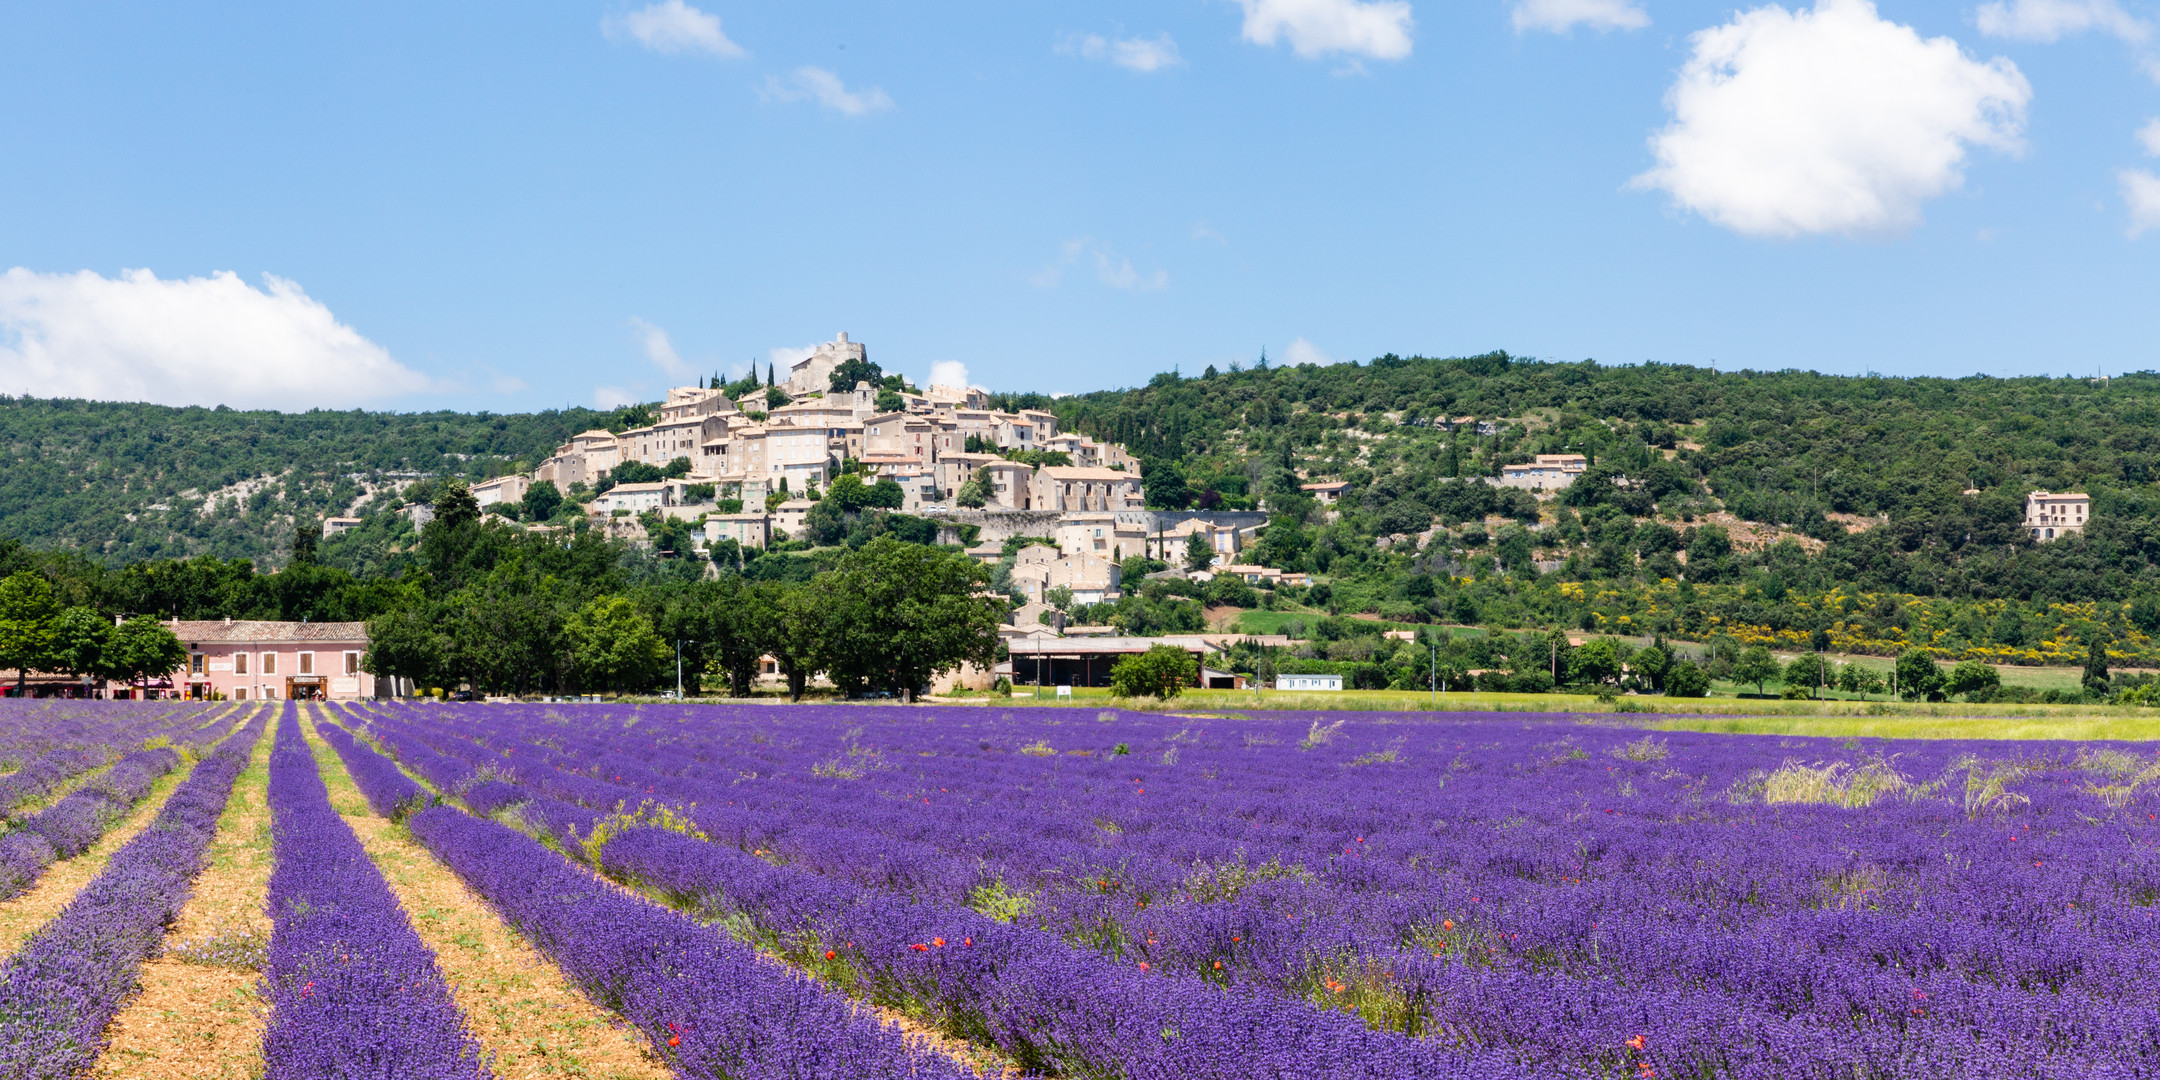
239 662
239 693
352 663
269 692
269 663
307 663
195 664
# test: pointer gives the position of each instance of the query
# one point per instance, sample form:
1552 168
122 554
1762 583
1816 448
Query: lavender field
837 891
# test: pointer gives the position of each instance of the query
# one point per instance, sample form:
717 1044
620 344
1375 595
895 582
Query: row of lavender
353 991
1591 904
712 1008
61 989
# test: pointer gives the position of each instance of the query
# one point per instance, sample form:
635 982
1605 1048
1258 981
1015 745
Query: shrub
1164 671
1687 679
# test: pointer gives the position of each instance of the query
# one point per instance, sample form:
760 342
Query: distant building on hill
813 373
2052 515
1550 472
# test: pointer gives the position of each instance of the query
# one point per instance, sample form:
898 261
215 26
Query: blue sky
514 206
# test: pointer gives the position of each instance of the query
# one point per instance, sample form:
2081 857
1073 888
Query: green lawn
1771 716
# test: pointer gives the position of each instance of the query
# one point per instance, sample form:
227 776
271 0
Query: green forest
121 482
1911 486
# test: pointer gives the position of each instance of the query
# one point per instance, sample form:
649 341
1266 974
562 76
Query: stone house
635 498
502 489
1072 488
748 530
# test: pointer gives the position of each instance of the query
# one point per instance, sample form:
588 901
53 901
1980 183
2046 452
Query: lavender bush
393 794
58 992
353 992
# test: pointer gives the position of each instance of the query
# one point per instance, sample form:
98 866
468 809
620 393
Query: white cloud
1302 351
1827 120
825 88
1202 231
660 350
948 373
673 27
2051 20
1111 268
1563 15
2150 136
1138 54
2141 192
1379 29
613 397
187 341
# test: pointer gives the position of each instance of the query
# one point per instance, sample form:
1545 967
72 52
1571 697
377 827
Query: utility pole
678 667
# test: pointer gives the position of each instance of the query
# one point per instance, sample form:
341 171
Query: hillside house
1328 493
2053 515
748 530
635 498
1550 472
1099 534
1067 489
502 489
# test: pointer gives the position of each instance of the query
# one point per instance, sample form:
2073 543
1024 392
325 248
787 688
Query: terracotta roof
258 631
1086 472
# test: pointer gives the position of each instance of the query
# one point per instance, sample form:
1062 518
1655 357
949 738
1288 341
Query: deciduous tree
1164 671
898 614
1757 666
27 612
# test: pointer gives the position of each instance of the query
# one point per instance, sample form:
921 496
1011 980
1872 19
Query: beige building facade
2051 515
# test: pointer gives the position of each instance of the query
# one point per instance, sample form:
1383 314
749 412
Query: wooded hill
121 482
1867 476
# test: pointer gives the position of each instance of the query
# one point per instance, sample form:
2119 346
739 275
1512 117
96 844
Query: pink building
256 661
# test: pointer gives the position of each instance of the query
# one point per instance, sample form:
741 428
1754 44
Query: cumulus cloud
187 341
825 88
673 27
1302 351
2141 192
948 373
1111 268
1562 15
613 397
660 350
1829 120
2052 20
1135 53
2149 135
1379 29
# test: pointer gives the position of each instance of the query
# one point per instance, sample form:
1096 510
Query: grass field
1734 715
